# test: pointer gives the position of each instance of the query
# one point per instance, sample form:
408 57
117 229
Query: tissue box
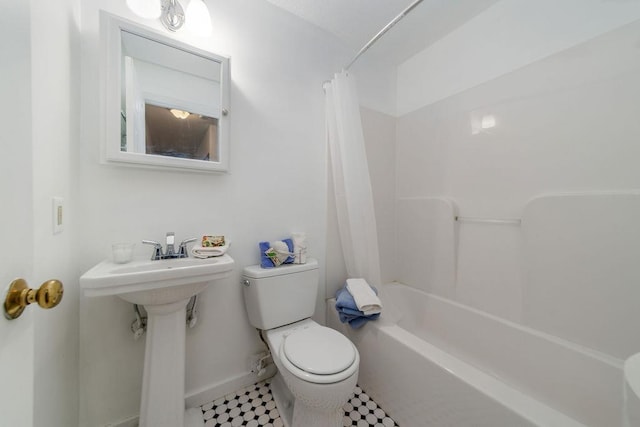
209 241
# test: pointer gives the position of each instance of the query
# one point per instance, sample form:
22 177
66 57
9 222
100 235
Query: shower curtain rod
382 32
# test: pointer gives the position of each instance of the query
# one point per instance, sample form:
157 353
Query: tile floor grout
253 406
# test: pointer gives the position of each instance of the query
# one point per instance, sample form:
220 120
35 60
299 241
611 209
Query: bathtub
430 361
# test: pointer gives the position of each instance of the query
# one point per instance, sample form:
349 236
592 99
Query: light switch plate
58 215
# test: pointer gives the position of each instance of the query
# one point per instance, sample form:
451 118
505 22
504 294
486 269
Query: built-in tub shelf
494 221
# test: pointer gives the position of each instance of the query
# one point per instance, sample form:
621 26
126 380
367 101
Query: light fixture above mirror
173 16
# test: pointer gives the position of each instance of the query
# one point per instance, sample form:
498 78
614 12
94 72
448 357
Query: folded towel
272 254
210 251
348 311
366 299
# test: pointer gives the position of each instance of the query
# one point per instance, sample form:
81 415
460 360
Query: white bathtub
433 362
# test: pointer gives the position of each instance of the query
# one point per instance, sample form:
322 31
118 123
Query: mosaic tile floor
254 406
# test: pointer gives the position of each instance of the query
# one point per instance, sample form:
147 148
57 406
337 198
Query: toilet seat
320 351
319 355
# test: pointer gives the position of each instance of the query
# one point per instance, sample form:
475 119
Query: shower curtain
354 198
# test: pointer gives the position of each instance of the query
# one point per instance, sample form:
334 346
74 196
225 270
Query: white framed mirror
166 104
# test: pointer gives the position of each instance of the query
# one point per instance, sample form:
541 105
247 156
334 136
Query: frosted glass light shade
149 9
180 114
197 18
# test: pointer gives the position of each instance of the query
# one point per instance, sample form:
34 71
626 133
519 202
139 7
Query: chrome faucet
182 248
157 249
170 251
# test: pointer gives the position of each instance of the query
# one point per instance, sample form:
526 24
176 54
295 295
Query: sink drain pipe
139 324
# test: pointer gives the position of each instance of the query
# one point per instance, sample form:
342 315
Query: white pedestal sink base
162 403
164 288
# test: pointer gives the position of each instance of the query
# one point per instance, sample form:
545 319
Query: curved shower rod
382 32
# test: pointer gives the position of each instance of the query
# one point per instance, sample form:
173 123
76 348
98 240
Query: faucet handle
157 249
182 249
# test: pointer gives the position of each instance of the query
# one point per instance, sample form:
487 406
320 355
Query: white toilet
318 365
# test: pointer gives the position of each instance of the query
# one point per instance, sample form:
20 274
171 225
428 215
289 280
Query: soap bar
273 256
209 241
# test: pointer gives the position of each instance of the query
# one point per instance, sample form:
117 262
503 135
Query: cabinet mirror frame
111 30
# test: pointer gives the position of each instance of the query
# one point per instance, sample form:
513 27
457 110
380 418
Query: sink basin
147 282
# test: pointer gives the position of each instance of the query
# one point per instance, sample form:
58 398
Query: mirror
167 103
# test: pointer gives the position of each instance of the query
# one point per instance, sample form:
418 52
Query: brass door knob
20 296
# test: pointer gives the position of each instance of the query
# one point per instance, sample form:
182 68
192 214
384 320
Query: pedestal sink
164 288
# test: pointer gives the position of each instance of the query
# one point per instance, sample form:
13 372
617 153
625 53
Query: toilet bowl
317 366
320 369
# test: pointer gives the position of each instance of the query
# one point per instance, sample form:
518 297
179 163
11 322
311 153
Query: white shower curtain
354 198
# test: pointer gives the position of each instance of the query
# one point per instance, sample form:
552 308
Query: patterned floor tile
362 411
251 406
254 406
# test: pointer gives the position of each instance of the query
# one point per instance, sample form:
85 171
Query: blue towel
348 310
265 262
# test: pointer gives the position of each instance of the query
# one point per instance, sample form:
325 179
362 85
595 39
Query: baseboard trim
218 390
128 422
210 393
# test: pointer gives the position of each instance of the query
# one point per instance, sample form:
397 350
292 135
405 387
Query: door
16 217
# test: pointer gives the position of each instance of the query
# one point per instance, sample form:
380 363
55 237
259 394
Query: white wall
377 84
55 49
276 185
507 36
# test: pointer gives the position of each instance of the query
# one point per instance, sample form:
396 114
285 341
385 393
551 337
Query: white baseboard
218 390
129 422
210 393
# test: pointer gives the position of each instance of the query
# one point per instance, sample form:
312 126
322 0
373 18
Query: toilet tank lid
257 272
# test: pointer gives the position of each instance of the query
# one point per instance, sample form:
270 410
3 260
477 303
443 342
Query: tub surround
573 249
556 291
438 372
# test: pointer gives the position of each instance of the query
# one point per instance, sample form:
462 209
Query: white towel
210 251
365 298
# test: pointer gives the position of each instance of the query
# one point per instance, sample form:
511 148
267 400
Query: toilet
317 366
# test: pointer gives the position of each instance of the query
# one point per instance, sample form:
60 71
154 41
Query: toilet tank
278 296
